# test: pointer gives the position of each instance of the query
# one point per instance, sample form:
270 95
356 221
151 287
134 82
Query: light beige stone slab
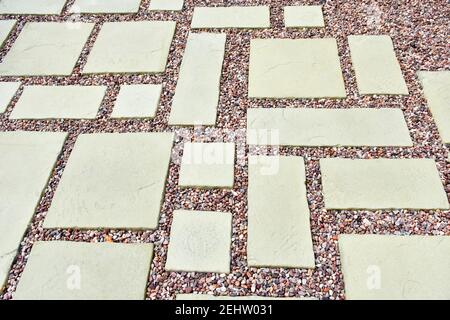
279 232
295 68
26 162
395 267
194 296
105 6
252 17
327 127
7 92
303 17
376 67
382 184
131 47
46 48
200 241
207 165
436 87
66 270
6 27
137 101
197 92
166 5
112 180
55 102
31 6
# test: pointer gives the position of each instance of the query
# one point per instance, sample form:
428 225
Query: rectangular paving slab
31 6
166 5
6 27
303 17
382 184
376 67
105 6
66 270
7 92
200 241
395 267
295 68
207 165
436 87
253 17
131 47
46 48
112 180
279 232
55 102
137 101
26 162
197 91
327 127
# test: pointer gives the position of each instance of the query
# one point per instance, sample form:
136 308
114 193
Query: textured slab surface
207 165
137 101
7 92
278 215
436 87
303 16
53 102
197 92
382 184
200 242
6 27
327 127
131 47
376 67
166 5
31 6
46 48
231 17
105 6
26 162
395 267
78 270
194 296
112 180
300 68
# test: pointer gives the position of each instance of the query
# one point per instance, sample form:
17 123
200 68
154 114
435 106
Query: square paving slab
31 6
46 48
327 127
105 6
131 47
26 162
376 67
6 27
112 180
299 68
382 184
197 92
7 92
137 101
253 17
436 87
395 267
166 5
279 232
303 16
55 102
66 270
207 165
200 241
